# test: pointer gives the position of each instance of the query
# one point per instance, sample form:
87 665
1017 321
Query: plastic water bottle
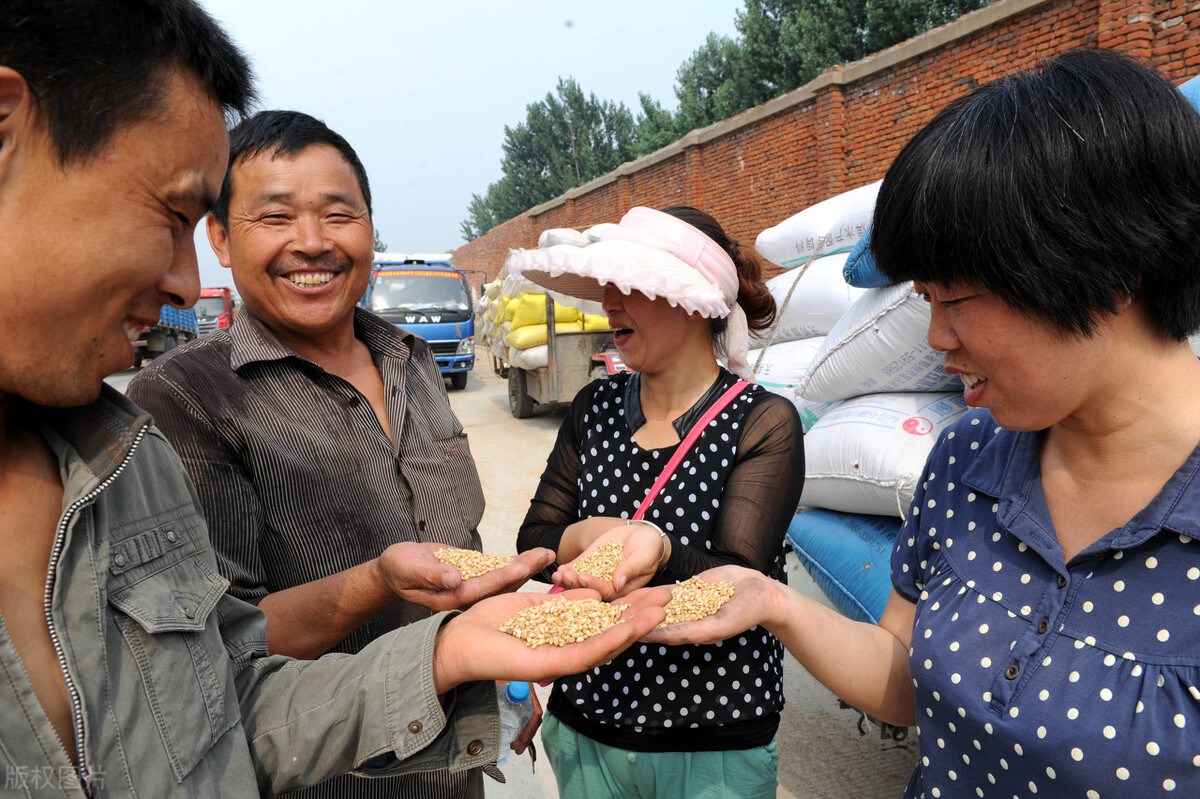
516 709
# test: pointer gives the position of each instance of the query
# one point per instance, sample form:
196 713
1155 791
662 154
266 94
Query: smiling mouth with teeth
970 381
308 279
133 330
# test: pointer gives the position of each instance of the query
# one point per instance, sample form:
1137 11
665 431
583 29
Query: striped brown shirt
299 481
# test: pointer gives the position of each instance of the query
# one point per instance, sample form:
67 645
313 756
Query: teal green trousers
585 769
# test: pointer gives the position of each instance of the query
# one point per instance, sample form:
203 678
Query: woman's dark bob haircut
1062 190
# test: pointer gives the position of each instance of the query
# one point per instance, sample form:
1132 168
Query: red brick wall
843 129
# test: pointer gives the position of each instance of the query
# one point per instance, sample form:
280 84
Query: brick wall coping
838 75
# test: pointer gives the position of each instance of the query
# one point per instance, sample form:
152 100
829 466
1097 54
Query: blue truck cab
425 295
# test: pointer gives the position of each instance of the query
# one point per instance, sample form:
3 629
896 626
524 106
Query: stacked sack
513 322
873 397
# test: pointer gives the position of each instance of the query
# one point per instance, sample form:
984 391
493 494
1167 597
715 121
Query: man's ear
13 91
16 119
218 238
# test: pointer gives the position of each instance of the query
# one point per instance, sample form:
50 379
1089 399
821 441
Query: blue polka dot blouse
1035 677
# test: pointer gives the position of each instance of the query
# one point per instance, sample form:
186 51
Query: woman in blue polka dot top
659 720
1044 629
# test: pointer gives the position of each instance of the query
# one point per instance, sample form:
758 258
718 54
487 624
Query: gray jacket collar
101 433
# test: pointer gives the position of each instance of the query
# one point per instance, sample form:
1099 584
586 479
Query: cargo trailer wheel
519 401
458 380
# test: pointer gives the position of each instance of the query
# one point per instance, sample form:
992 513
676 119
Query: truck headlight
466 346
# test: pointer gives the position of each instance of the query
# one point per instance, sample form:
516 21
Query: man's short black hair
96 66
1063 190
283 133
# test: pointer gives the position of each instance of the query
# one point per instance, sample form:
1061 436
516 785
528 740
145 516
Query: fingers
656 596
537 558
569 578
688 632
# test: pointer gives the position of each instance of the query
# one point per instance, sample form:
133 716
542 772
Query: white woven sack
866 455
819 300
879 346
514 285
811 412
562 235
532 358
497 345
784 366
843 219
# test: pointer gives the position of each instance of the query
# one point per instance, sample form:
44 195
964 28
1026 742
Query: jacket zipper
85 777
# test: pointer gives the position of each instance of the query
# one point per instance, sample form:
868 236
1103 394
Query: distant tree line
569 138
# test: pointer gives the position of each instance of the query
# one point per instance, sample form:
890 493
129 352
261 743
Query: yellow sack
496 308
532 311
536 335
593 321
510 308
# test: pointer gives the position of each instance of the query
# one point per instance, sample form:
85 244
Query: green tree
380 245
567 139
700 79
654 127
783 44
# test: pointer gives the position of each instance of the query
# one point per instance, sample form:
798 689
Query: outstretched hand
754 595
471 646
414 574
641 556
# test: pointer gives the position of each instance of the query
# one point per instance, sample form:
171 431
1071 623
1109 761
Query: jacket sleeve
375 712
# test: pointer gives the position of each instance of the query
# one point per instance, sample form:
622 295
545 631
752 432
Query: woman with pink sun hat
687 467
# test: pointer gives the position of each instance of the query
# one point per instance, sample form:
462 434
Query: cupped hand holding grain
471 646
413 573
640 547
755 597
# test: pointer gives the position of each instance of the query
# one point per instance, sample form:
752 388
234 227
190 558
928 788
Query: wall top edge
840 75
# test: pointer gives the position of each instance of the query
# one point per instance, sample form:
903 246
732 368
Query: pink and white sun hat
651 252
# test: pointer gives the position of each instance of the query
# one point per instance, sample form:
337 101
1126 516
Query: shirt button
631 757
171 536
1012 671
354 402
474 748
189 611
415 727
1062 581
119 559
1043 625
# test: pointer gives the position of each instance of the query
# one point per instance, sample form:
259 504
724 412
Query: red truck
215 309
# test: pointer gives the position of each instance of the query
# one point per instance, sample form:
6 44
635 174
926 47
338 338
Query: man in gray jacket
125 668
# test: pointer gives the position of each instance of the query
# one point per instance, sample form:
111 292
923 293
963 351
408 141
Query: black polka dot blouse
729 502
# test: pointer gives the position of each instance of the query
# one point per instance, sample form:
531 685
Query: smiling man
126 669
327 458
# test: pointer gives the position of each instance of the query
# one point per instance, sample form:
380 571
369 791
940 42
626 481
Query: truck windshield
419 290
210 307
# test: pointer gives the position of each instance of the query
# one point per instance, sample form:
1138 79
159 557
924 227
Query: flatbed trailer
573 359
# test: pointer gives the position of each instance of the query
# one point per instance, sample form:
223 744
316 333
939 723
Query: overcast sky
423 90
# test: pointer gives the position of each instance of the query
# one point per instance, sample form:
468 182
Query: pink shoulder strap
686 445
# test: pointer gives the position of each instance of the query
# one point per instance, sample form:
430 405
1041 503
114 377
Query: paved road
822 755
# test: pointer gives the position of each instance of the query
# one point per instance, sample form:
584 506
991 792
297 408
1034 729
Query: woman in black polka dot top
668 720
